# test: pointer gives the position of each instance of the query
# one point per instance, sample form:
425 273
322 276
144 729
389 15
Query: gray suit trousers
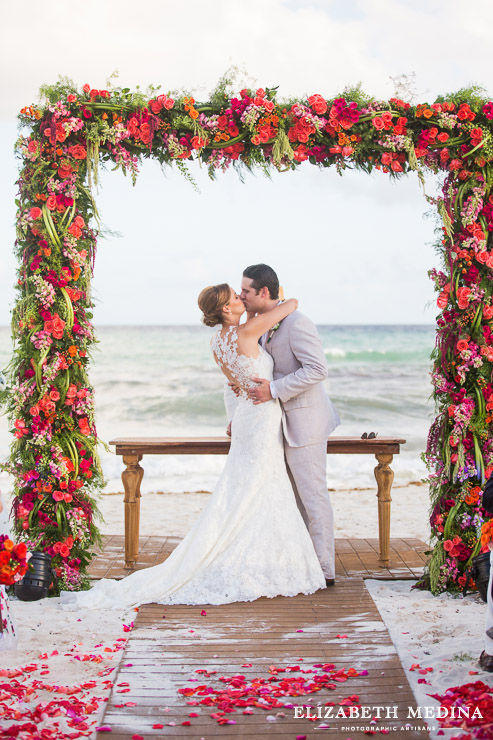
307 471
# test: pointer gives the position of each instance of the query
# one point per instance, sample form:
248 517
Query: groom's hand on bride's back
261 392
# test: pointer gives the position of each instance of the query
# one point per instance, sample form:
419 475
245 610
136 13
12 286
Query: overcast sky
354 249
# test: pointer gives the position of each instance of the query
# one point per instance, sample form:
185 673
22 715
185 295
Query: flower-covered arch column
49 397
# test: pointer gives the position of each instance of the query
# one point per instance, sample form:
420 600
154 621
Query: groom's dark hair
263 276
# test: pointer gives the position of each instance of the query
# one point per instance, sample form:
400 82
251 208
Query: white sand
443 632
355 512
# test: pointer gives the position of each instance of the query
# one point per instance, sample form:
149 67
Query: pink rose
318 104
442 300
463 297
378 123
58 326
488 312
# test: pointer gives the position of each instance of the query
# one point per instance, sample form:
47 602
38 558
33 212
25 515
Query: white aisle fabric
250 540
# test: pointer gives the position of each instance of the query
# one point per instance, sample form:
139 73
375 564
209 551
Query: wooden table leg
385 477
132 478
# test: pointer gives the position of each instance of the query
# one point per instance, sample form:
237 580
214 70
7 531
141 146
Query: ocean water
163 381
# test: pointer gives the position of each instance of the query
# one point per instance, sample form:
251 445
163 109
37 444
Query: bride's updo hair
212 301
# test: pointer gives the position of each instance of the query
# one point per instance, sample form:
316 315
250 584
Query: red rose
60 132
156 106
79 221
86 88
78 152
20 551
455 164
64 171
51 202
35 213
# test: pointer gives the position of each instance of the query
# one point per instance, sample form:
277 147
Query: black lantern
37 581
481 573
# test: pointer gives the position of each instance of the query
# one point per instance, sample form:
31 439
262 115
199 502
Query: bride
250 539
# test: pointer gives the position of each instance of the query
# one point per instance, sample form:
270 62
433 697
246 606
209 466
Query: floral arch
49 398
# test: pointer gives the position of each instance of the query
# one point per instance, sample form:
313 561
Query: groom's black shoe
329 582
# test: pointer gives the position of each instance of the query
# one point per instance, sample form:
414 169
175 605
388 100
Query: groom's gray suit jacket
300 368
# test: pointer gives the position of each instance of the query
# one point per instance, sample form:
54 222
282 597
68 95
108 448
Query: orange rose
84 426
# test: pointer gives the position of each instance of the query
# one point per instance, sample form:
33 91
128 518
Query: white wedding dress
250 539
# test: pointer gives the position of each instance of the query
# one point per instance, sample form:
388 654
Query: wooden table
133 449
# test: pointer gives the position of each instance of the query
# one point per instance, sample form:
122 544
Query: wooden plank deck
338 627
353 557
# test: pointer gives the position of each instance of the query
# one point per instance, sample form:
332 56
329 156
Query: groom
308 415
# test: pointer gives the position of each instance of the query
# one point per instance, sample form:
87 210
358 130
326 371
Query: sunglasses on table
371 435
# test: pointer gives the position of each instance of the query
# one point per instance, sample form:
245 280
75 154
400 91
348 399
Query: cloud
362 239
301 46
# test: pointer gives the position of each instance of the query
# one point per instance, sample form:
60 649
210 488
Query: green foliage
59 91
474 95
356 94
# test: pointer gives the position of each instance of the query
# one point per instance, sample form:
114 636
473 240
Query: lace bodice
241 367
